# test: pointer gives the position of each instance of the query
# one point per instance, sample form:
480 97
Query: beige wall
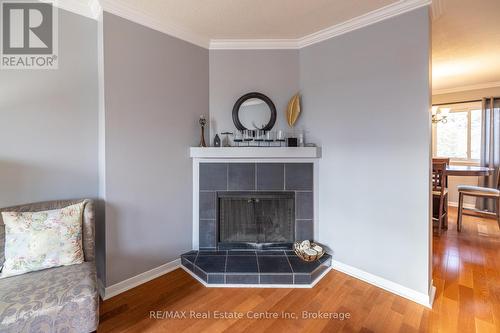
465 95
459 97
453 182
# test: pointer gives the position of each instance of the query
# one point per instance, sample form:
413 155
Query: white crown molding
437 9
92 9
466 88
95 8
384 13
253 44
133 14
87 8
378 15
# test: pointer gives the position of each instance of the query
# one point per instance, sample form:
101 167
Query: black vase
216 140
292 142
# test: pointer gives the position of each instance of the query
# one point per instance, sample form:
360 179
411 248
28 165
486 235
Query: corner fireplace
255 219
291 183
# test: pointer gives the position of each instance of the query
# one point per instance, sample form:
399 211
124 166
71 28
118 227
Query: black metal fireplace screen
256 217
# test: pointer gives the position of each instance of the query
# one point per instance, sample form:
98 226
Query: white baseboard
137 280
100 288
466 205
395 288
432 294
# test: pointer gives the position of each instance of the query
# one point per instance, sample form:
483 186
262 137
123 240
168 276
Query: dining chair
440 192
442 160
481 192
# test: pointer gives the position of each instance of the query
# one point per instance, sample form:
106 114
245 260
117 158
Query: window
459 137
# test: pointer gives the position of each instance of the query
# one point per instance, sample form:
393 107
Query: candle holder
281 138
202 122
226 142
269 139
238 138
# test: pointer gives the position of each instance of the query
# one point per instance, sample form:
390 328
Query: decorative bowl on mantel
308 251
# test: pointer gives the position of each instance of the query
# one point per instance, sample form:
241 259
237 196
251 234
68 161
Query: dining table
464 171
468 170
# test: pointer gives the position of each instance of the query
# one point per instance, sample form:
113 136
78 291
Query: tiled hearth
256 268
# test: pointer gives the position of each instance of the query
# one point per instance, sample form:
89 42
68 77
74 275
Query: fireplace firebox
255 219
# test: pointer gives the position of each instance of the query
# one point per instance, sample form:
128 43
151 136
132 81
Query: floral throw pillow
40 240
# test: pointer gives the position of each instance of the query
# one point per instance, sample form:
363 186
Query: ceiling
465 33
466 44
255 19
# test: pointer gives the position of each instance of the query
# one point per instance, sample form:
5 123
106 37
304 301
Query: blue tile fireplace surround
258 250
215 178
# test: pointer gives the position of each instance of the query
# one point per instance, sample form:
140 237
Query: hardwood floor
466 275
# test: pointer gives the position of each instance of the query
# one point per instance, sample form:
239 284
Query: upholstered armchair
60 299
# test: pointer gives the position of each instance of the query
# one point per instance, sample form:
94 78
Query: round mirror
254 111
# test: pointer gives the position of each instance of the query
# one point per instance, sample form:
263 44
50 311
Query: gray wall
366 102
48 137
234 73
366 97
156 87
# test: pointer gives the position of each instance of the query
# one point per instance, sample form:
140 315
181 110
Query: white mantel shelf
255 152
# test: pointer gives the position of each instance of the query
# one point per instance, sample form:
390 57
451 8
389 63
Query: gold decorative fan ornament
293 110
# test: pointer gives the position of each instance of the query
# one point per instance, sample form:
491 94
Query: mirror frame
242 99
